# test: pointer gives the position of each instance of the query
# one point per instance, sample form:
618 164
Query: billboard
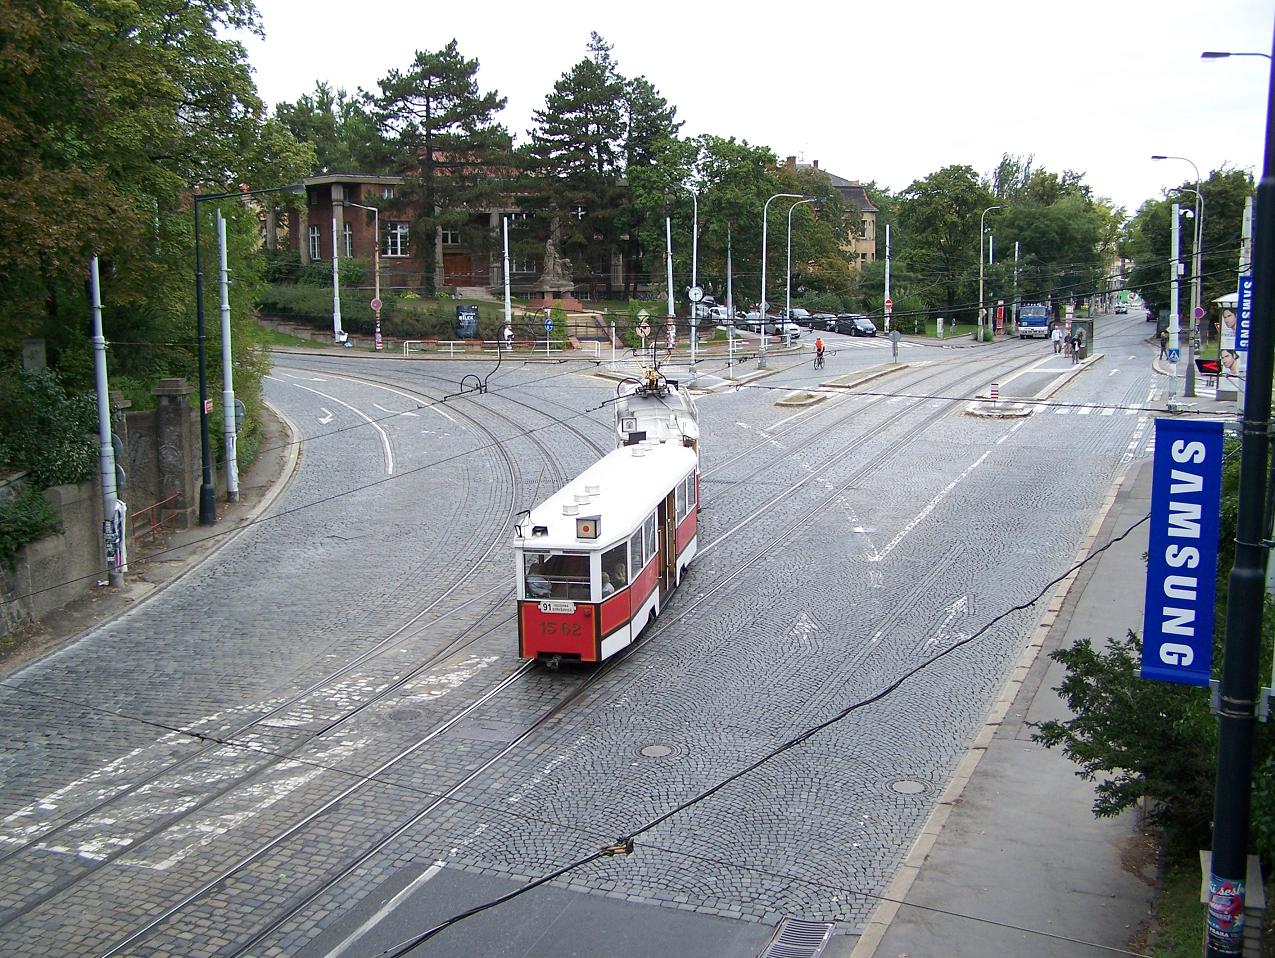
1186 495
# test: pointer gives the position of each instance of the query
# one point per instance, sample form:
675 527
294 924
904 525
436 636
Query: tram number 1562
566 629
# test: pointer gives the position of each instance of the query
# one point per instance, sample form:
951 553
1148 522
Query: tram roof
629 483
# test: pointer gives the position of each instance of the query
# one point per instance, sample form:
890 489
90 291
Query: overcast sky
889 91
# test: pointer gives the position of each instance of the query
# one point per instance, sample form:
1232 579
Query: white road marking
1113 372
944 633
385 439
385 909
946 491
327 417
1084 410
394 412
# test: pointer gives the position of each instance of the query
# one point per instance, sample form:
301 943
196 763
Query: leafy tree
1147 240
341 129
455 156
939 220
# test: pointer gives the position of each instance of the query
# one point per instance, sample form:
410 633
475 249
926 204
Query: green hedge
24 519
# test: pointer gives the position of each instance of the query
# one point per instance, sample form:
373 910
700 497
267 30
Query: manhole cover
656 751
905 786
403 715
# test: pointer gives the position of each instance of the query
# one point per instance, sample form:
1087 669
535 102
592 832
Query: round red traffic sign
889 304
376 303
1199 312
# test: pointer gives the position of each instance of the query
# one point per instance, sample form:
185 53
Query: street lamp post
376 268
694 319
207 492
1197 252
761 306
788 280
1219 54
981 221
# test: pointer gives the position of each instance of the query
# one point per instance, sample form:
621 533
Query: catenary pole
230 431
336 288
887 275
1240 653
113 529
1175 252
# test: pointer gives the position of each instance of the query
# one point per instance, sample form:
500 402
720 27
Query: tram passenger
537 585
614 579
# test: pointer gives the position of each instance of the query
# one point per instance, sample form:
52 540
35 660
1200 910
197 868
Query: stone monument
554 286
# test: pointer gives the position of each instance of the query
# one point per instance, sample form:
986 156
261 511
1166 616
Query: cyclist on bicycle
819 350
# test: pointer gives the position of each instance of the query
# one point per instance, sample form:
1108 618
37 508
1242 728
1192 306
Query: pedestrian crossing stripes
1089 409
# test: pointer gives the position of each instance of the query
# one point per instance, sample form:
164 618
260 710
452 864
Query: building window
451 236
316 249
395 239
387 192
517 218
522 264
311 198
347 232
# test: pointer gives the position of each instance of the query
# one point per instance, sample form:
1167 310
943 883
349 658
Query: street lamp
788 282
981 227
207 492
694 319
1196 254
1219 54
761 307
376 266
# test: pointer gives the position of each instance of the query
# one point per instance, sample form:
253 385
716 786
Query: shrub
24 519
45 431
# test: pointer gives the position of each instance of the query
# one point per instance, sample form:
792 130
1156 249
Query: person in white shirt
1057 337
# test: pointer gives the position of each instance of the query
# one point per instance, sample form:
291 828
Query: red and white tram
597 560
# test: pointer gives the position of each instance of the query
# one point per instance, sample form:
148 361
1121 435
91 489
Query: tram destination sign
1186 491
557 605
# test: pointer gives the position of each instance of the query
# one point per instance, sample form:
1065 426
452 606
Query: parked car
823 321
1122 308
798 315
721 314
855 324
783 327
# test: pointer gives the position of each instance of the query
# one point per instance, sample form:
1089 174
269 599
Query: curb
895 894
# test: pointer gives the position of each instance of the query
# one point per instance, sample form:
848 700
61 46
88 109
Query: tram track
236 738
556 709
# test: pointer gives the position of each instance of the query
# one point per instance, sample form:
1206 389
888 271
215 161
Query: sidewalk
155 565
1013 843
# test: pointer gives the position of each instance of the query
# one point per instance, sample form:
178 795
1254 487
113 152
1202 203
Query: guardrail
148 522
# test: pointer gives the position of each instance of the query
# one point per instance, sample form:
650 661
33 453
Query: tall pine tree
455 156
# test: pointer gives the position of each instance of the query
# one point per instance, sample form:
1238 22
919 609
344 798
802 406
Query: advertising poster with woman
1230 359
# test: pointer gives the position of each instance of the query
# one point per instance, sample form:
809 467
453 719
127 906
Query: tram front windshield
556 575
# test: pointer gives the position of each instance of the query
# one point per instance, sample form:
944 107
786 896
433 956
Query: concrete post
177 466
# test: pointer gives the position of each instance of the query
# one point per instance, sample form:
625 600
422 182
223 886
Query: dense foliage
43 430
24 518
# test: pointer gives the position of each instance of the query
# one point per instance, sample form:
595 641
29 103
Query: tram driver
614 579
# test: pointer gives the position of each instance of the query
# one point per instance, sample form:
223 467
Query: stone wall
161 460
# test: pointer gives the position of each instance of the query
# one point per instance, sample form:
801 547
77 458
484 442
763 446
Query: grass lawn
1179 916
272 337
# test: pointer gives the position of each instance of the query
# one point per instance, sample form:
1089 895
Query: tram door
668 544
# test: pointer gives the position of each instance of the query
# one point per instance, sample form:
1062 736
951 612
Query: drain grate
796 938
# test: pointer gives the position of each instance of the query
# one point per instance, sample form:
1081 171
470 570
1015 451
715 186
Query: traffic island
802 398
870 374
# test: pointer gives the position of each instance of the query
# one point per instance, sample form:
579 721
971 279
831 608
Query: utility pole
1175 268
730 310
1015 284
887 275
112 508
1240 653
336 289
230 425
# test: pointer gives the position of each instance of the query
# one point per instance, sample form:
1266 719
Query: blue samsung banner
1245 314
1186 499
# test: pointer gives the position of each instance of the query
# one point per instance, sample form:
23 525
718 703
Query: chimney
791 163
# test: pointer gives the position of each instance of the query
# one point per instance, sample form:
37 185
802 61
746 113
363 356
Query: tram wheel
553 662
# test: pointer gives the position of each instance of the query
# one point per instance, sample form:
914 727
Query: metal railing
149 522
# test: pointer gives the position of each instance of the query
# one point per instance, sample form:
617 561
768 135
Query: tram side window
638 553
556 575
690 492
681 501
648 532
615 569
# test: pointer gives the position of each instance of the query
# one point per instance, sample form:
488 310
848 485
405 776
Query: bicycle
818 361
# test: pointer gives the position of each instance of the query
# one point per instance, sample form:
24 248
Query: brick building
862 245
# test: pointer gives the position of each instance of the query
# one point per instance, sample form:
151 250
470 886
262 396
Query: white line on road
385 909
394 412
1113 372
385 440
929 508
327 417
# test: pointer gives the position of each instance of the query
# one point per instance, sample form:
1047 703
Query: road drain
796 938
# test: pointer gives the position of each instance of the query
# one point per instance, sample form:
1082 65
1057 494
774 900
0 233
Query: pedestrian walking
1164 343
1057 337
